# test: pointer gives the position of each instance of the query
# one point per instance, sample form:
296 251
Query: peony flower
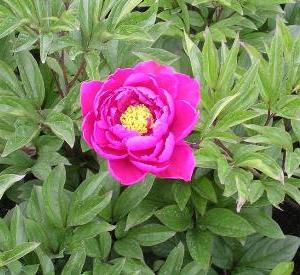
138 118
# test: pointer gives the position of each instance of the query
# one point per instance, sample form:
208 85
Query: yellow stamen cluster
136 118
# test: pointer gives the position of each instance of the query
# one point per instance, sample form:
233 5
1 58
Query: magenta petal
153 168
182 163
153 68
140 143
88 91
109 152
185 119
125 172
188 89
88 127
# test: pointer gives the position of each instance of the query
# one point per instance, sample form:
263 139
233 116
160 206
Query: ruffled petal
188 89
182 163
153 68
141 143
88 127
125 172
88 91
185 119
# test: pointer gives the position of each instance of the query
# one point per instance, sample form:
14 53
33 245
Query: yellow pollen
137 118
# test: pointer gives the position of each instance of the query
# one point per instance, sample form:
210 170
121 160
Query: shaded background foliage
61 211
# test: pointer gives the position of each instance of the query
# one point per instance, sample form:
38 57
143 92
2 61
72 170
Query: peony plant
111 164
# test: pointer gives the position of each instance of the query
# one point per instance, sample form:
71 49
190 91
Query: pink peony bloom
137 120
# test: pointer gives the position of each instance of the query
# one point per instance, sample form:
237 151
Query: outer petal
188 89
185 119
88 128
153 68
125 172
88 91
182 163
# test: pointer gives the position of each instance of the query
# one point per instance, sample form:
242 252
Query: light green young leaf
45 262
283 268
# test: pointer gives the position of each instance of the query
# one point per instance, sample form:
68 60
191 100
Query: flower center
137 118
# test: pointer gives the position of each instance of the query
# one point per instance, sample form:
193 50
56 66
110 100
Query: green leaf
276 66
262 162
248 93
83 211
45 262
54 196
9 81
159 55
119 11
275 192
116 269
9 25
25 131
193 268
270 135
173 262
91 230
182 193
256 190
228 69
204 188
174 218
31 77
16 253
263 223
151 234
128 248
194 54
92 65
224 222
215 111
283 268
17 226
257 256
7 180
45 45
132 197
62 126
140 213
235 118
210 61
75 263
200 245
